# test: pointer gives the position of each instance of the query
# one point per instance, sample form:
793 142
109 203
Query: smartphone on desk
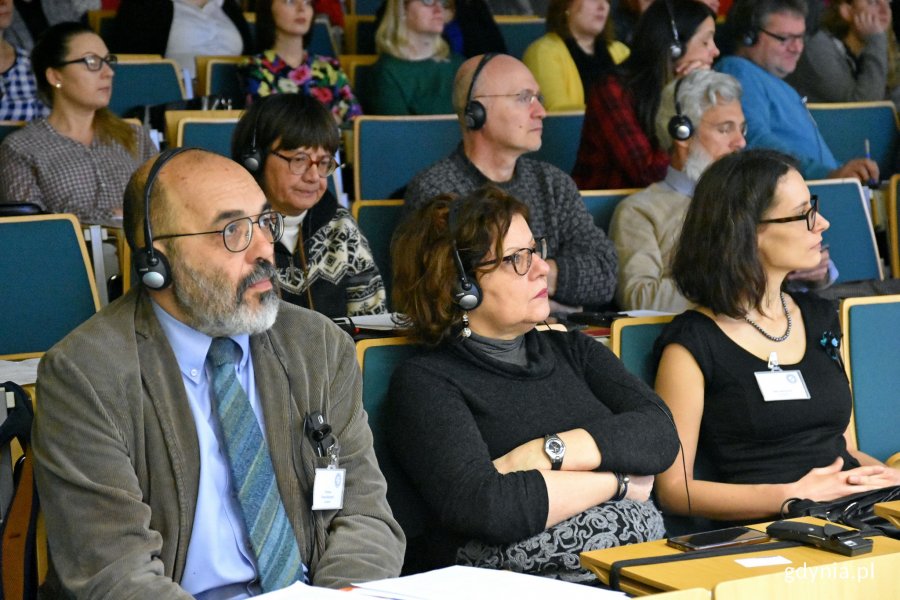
720 538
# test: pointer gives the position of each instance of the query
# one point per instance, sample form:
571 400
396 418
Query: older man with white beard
704 123
646 226
185 430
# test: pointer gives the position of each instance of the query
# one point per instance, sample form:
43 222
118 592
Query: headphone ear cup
251 160
467 294
475 115
680 128
675 51
750 38
152 267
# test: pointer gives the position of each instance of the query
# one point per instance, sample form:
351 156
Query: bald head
181 184
499 71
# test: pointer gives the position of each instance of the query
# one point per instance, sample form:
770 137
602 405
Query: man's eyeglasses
444 3
784 40
521 258
809 216
237 234
93 62
523 97
300 163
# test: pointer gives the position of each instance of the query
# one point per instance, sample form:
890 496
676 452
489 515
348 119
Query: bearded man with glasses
182 430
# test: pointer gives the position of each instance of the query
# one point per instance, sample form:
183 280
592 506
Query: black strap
616 568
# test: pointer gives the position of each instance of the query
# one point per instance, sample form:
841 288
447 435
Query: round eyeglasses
93 62
521 259
809 216
237 234
299 164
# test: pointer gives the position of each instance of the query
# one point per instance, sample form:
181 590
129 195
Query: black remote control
848 542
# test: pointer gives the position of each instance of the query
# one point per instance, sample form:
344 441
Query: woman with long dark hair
618 146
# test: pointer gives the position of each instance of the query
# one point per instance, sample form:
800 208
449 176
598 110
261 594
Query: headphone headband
680 126
151 266
675 50
466 293
474 113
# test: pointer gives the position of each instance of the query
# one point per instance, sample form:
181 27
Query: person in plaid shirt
18 91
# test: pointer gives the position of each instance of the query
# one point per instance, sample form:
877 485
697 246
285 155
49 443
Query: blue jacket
777 118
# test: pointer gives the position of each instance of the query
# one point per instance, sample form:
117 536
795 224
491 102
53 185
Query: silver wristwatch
555 449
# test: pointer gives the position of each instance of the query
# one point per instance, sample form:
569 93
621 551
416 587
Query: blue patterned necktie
252 474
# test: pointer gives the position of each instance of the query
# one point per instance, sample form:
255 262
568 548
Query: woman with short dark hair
527 447
288 142
751 375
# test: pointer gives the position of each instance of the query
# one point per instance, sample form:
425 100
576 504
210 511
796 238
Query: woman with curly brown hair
524 445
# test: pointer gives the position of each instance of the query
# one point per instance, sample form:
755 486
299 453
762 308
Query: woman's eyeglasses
93 62
237 234
809 216
300 163
521 259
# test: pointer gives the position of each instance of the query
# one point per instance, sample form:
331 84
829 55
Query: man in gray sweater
499 106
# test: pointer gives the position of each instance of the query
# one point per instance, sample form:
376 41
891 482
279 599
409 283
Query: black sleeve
437 443
141 27
640 436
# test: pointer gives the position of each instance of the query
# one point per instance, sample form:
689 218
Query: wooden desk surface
707 572
890 511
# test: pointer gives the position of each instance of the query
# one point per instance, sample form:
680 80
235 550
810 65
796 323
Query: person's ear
52 76
846 11
680 152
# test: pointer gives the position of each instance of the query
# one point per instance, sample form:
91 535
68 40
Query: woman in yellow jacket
577 49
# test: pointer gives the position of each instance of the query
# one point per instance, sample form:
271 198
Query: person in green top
414 72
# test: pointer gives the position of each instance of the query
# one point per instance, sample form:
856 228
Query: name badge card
781 385
328 489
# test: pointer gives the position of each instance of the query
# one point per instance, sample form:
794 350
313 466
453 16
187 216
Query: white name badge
781 385
328 489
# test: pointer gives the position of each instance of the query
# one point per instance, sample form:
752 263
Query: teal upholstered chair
48 283
560 139
145 83
851 238
847 125
378 358
602 204
377 219
871 329
7 127
519 31
632 339
389 151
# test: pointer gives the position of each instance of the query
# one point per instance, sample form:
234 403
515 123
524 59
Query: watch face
554 446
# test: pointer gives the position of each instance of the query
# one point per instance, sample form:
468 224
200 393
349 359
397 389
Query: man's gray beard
204 300
697 161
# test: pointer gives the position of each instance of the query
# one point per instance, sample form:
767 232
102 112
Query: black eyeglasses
237 234
523 97
784 40
300 163
93 62
521 259
809 216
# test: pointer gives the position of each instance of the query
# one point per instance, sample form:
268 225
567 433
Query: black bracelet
785 505
622 489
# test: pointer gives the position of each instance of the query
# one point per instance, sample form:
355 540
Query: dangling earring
466 332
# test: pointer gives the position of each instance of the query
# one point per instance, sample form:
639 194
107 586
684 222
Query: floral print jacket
318 76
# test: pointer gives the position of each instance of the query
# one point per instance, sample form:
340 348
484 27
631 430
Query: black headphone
745 20
676 49
251 158
680 126
151 265
474 113
466 292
